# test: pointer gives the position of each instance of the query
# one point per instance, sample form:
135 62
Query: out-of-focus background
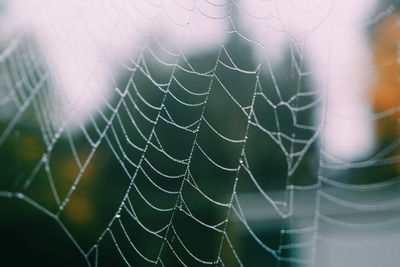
188 133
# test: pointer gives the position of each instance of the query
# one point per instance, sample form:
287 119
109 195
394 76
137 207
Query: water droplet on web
241 161
73 188
118 216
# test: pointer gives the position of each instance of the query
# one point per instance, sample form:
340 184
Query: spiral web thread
130 126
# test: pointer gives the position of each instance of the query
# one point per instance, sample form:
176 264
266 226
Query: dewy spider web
209 149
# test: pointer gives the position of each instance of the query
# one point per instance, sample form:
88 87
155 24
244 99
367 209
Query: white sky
101 34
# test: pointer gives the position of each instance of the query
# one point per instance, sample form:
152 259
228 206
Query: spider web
191 133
